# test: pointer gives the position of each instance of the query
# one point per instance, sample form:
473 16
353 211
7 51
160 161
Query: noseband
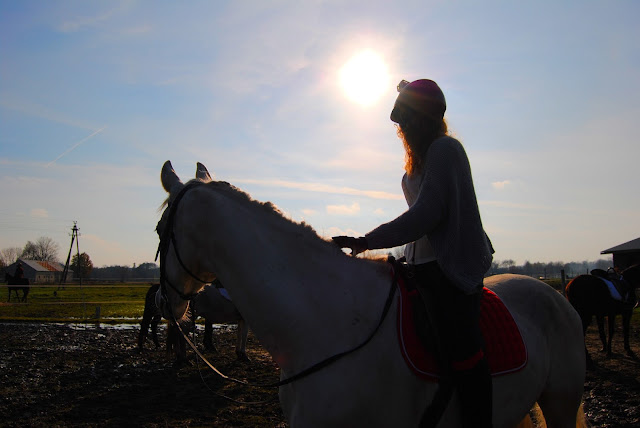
168 237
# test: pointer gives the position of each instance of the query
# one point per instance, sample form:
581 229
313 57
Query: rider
19 273
446 244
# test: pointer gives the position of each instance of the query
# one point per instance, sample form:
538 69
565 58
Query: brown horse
590 296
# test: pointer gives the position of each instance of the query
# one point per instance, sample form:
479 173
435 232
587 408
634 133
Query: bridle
168 237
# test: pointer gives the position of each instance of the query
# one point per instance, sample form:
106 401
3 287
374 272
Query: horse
151 317
308 303
590 296
23 282
209 304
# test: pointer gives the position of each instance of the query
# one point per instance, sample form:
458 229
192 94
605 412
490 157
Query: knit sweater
446 211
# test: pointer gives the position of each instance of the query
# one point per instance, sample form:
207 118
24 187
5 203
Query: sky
96 96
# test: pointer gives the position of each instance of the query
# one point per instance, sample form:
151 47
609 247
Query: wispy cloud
514 205
39 213
322 188
29 108
500 184
80 23
72 148
343 209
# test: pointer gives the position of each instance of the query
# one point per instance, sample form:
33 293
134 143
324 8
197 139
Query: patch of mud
55 375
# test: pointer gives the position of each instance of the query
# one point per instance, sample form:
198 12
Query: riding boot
475 391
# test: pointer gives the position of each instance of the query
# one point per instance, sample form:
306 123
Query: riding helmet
422 96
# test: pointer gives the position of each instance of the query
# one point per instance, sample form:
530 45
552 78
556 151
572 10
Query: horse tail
535 419
526 423
581 418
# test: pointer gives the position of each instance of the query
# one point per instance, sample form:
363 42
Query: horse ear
169 177
202 173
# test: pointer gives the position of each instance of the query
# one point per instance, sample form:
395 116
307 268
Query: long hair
417 133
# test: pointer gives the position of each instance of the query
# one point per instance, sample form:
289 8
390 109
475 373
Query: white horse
306 301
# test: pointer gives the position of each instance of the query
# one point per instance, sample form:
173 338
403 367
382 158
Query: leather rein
168 237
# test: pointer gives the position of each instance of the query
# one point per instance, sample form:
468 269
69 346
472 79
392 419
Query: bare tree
9 255
44 249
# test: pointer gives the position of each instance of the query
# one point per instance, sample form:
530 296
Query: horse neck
303 299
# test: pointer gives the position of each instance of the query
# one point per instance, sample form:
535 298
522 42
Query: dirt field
59 376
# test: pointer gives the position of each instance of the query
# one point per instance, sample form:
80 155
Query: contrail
70 149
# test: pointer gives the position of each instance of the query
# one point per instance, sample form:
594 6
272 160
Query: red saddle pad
506 351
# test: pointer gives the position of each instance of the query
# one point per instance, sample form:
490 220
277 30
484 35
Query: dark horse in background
17 284
208 304
590 296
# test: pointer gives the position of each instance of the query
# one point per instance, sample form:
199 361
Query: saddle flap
505 348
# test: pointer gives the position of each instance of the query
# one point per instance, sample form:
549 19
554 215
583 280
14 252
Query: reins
310 370
168 237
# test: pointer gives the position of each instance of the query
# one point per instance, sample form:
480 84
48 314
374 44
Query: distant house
40 272
625 255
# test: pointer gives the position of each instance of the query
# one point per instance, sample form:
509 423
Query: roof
631 246
40 266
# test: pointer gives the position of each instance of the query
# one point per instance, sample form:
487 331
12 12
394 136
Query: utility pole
74 237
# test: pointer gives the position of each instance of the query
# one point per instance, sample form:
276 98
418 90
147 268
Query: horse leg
154 329
208 336
603 335
586 320
611 319
626 319
241 340
144 329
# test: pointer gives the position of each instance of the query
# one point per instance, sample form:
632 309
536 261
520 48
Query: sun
364 78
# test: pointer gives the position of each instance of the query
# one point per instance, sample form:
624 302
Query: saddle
505 348
618 286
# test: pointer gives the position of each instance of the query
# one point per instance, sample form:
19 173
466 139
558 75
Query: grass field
117 303
121 303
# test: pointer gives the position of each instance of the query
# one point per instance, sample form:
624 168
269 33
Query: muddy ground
53 375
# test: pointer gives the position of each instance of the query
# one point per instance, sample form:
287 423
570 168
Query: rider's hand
357 245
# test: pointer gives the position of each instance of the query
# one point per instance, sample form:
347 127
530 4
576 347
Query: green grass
122 303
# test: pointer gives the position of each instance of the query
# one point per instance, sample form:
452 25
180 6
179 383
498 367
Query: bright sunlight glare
364 78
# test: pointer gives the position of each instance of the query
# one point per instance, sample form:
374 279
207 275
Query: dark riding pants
456 318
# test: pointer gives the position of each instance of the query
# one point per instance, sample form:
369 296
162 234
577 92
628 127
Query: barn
40 272
625 255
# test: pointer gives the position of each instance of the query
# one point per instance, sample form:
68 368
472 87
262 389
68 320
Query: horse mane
270 209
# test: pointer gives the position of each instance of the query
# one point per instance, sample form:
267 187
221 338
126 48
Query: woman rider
446 243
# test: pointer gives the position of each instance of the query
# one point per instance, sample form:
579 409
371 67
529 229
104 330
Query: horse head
178 283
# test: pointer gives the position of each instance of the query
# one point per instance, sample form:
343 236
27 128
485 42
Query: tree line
550 269
46 249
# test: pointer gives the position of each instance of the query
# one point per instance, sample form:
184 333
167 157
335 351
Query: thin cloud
72 148
39 213
343 209
514 205
322 188
500 184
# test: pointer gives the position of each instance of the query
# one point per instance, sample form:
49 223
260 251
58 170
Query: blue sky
95 96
